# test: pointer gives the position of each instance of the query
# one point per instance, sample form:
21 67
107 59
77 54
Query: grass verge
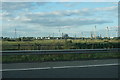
56 57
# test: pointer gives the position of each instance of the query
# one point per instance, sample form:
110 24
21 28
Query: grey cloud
61 13
112 8
69 4
66 22
78 12
13 6
54 18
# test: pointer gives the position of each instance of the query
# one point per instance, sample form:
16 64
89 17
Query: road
107 68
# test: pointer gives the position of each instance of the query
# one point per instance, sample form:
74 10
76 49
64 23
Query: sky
43 19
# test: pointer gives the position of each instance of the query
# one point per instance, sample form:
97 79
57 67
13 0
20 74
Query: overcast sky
47 18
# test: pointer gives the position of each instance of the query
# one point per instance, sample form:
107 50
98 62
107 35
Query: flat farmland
59 44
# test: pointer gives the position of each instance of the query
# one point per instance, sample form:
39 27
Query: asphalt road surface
107 68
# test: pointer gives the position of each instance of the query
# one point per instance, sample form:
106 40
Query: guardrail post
39 47
18 46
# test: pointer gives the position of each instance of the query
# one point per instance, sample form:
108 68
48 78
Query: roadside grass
56 57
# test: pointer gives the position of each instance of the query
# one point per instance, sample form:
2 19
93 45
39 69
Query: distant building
111 37
65 35
48 38
41 37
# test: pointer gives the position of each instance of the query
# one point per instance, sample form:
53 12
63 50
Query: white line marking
87 65
25 69
59 67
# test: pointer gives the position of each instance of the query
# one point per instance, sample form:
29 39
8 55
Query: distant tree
116 38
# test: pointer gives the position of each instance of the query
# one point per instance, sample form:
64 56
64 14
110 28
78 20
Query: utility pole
117 33
53 35
91 35
59 32
75 35
82 35
62 36
49 36
100 36
15 36
107 32
95 32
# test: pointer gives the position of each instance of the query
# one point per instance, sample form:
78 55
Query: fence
30 52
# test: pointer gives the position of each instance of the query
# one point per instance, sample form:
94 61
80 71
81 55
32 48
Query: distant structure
92 35
95 32
53 35
62 34
65 36
100 35
117 33
59 32
15 34
82 34
75 35
107 32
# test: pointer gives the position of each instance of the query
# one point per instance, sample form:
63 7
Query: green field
59 44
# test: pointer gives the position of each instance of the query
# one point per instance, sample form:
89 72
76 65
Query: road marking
25 69
59 67
87 65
